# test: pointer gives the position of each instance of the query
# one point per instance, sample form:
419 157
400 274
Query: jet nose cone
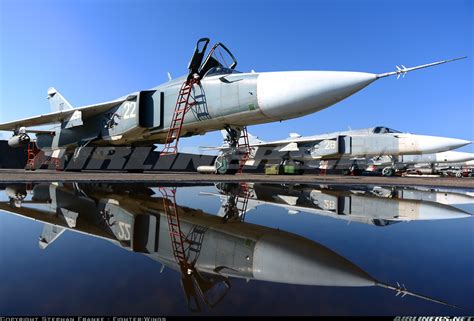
453 157
433 144
287 258
440 212
452 143
283 95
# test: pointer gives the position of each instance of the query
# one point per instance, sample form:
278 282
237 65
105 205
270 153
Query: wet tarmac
20 175
235 248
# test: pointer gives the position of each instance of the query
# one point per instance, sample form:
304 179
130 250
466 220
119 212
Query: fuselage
368 142
222 99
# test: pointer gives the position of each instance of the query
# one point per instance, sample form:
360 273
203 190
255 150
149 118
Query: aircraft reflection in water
207 250
374 205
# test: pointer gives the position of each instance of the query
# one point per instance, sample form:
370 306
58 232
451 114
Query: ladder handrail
246 149
179 113
174 227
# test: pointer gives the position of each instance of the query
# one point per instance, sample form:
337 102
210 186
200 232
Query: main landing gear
232 161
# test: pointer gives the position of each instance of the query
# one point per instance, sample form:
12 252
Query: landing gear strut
237 139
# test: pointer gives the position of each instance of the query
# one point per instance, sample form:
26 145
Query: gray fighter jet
135 219
379 142
212 96
373 205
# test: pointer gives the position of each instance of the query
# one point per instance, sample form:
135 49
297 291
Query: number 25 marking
130 110
330 144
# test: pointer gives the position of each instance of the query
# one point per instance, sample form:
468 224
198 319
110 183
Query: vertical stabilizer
57 101
49 235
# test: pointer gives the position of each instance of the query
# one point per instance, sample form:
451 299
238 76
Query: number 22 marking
130 110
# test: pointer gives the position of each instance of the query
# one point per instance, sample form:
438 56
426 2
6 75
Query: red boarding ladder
183 104
242 200
31 152
244 149
177 237
35 156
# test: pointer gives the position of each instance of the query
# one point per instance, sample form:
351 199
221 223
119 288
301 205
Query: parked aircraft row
374 205
212 96
224 246
383 146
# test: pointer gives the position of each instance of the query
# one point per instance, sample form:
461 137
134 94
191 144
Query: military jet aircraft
135 219
373 205
212 96
369 142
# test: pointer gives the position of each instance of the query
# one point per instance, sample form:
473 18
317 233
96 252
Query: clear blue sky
95 51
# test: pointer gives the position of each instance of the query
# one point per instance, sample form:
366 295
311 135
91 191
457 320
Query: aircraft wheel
28 167
222 166
388 171
458 174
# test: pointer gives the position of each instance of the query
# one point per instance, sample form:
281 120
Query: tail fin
253 140
57 101
49 235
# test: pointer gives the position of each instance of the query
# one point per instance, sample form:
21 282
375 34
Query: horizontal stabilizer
290 200
70 217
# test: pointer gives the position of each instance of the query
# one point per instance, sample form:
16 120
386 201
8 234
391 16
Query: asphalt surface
20 175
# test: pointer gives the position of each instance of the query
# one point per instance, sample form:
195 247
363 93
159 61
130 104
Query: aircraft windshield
385 130
220 71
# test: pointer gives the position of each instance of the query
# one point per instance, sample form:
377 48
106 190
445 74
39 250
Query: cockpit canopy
384 130
218 61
